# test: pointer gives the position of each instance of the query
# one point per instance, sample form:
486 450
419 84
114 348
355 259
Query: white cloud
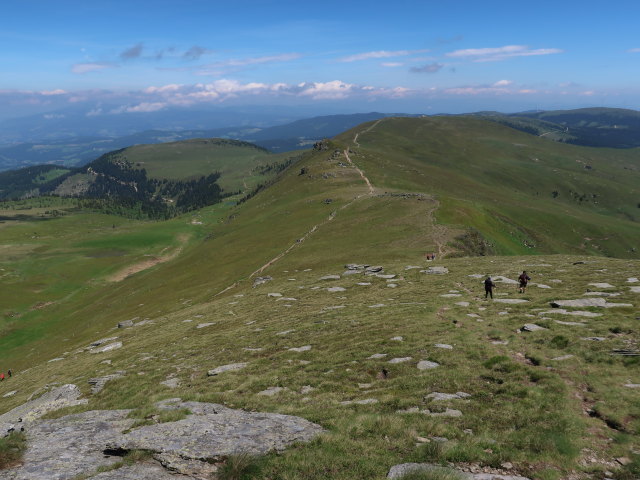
392 64
634 50
335 89
502 83
380 54
52 92
173 87
500 53
53 116
81 68
143 107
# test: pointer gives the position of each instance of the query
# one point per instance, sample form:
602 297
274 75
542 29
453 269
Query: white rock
634 289
274 294
364 284
107 348
427 365
576 313
397 339
336 289
305 348
602 285
462 304
366 401
443 345
510 300
632 280
377 355
532 327
377 305
563 357
285 332
632 385
271 391
203 325
306 389
330 277
287 299
226 368
450 295
400 360
10 394
573 324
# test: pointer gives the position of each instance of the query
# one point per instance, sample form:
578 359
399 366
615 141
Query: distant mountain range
61 141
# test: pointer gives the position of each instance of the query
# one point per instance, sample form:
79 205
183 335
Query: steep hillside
403 363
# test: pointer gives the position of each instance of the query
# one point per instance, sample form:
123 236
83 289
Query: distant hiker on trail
1 377
488 287
10 373
523 279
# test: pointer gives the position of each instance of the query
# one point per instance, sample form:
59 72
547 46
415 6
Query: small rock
377 305
532 327
305 348
330 277
261 280
427 365
226 368
171 382
306 389
274 294
438 396
107 348
377 355
443 345
435 270
602 285
203 325
336 289
510 300
271 391
366 401
10 394
563 357
400 360
462 304
363 284
397 339
125 324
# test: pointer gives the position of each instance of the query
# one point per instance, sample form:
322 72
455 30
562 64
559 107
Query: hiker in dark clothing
488 287
523 279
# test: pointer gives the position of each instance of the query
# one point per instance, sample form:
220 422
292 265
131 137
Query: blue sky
410 56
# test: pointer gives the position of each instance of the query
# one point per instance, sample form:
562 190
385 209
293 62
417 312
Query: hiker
523 279
10 373
488 287
1 376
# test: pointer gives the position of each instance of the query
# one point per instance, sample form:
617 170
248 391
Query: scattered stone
475 275
305 348
594 339
624 460
125 324
336 289
57 359
330 277
511 300
628 385
541 285
366 401
443 345
102 341
400 360
10 394
306 389
412 267
501 279
439 439
60 397
448 412
203 325
634 289
427 365
571 324
171 382
377 355
532 327
435 270
226 368
577 313
261 280
397 339
285 332
392 285
374 269
385 276
377 305
588 302
364 284
632 280
438 396
351 272
249 349
107 348
287 299
188 320
473 315
274 294
365 385
140 471
450 295
336 307
271 391
98 383
602 285
462 304
402 470
500 342
563 357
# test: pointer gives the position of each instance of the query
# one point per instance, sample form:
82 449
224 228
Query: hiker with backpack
523 279
488 287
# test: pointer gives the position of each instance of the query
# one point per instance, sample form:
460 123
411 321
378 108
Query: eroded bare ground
151 262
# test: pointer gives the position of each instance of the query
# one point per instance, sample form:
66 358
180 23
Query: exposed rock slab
213 431
532 327
140 471
577 313
399 471
226 368
435 270
512 301
98 383
107 348
438 396
60 397
427 365
588 302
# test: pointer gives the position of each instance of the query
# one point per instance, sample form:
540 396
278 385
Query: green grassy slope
525 408
526 194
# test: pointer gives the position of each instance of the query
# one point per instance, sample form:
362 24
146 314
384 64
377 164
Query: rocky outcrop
400 471
81 443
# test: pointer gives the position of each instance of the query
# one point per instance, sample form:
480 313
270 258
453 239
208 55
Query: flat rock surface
436 270
78 444
399 471
427 365
226 368
214 431
588 302
60 397
510 300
